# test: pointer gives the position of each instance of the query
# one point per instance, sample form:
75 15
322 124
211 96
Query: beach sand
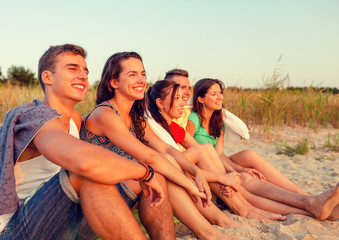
314 172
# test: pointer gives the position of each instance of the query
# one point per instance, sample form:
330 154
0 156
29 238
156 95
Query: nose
221 96
83 74
141 79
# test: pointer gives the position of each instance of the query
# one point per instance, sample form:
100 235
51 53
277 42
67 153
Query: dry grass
12 96
273 108
265 109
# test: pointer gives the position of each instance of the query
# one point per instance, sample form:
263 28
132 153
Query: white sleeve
162 133
235 128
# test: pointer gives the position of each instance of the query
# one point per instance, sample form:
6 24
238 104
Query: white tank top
30 174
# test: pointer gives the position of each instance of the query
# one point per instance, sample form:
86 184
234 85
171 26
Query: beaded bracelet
149 173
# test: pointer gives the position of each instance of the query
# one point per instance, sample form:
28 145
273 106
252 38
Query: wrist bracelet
149 173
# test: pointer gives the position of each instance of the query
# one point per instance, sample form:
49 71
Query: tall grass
272 108
265 109
13 95
275 105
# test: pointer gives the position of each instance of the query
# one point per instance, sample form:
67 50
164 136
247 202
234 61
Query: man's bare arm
82 158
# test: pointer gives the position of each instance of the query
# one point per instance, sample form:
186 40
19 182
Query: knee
199 148
76 181
207 146
248 153
161 179
245 178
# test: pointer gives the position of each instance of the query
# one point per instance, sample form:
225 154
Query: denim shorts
127 194
54 212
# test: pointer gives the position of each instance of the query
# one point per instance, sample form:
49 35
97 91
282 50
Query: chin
139 98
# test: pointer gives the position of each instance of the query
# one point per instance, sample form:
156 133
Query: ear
113 82
201 100
46 77
158 102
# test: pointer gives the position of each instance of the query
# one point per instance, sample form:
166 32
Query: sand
314 172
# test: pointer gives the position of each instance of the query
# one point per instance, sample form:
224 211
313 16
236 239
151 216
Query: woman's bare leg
216 217
270 205
185 210
320 206
251 159
238 204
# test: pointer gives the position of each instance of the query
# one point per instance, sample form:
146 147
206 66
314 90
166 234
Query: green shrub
284 148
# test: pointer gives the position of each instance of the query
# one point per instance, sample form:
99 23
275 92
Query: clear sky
236 41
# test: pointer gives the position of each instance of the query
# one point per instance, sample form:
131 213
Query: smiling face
131 82
213 98
69 80
176 110
185 86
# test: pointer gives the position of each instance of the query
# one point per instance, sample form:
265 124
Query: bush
19 75
284 148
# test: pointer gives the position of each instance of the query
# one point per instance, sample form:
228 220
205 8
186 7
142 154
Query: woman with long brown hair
206 125
118 123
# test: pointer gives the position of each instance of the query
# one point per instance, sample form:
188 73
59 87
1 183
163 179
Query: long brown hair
112 69
200 89
161 89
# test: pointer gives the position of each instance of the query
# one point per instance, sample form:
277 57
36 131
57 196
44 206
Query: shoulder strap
103 104
108 104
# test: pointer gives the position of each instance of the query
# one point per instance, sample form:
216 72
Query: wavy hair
200 89
112 69
160 90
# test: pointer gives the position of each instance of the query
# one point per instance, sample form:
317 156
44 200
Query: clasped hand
153 189
200 189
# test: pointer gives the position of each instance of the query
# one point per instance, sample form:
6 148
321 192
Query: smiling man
38 199
180 76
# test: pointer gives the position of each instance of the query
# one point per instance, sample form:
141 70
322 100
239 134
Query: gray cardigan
20 126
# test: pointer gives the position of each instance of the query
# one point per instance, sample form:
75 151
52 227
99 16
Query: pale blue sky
236 41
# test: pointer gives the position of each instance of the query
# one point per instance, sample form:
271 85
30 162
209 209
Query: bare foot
250 213
256 213
334 214
270 215
322 205
228 222
234 224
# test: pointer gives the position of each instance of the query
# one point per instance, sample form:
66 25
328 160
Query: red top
178 132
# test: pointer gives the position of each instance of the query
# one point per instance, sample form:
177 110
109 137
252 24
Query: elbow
82 162
82 168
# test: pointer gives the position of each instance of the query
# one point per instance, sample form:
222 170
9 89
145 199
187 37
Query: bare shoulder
104 120
104 115
190 128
